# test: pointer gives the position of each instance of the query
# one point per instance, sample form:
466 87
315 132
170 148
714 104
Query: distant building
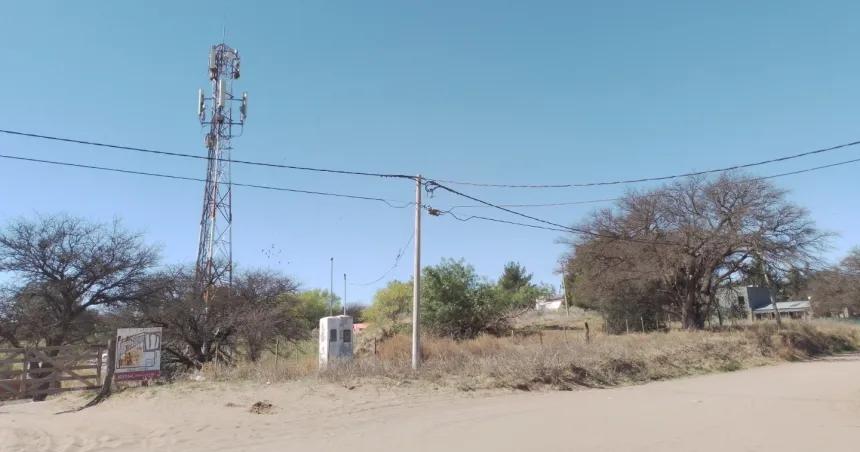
799 309
358 327
551 304
754 303
739 302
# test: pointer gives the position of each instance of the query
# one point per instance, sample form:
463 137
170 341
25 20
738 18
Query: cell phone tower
215 252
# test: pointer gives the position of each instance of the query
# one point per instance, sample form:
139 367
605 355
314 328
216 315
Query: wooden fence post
642 320
587 334
99 364
277 353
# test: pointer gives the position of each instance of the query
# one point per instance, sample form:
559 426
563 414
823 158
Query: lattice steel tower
215 252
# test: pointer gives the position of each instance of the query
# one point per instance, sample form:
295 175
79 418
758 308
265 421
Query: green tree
514 277
314 305
459 304
517 292
390 304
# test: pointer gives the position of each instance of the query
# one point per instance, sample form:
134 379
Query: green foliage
455 300
458 303
524 297
390 304
514 277
314 304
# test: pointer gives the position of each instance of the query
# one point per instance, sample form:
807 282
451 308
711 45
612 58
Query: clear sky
520 92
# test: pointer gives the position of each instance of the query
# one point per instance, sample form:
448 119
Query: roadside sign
138 353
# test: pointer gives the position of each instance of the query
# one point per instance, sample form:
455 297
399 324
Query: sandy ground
791 407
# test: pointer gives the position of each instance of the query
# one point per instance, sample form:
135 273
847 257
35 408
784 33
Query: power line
597 201
391 203
552 204
496 220
397 258
430 186
202 157
807 170
476 184
659 178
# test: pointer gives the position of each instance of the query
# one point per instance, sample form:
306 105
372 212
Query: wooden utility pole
416 280
564 292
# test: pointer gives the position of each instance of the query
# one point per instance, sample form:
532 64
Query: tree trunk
105 391
688 315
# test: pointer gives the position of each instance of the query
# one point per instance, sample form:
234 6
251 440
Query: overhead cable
597 201
203 157
397 258
447 181
497 220
658 178
391 203
432 185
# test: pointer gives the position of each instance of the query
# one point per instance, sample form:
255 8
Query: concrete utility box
335 339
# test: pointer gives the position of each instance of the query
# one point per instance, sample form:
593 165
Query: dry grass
562 359
559 320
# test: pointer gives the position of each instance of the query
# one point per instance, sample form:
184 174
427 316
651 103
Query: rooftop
786 306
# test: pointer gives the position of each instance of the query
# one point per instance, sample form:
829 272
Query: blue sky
520 92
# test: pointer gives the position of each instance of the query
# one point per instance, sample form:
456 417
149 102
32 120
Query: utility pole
564 293
214 266
331 290
344 294
416 281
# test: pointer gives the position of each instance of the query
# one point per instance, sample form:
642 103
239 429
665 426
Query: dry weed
563 360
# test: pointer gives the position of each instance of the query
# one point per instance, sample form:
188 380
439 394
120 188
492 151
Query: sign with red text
138 354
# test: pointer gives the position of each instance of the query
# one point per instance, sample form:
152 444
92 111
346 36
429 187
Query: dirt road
813 406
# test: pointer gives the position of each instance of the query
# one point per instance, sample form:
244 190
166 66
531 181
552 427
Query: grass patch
562 360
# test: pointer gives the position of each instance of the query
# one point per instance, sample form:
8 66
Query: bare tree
194 332
836 289
64 269
260 307
268 310
683 241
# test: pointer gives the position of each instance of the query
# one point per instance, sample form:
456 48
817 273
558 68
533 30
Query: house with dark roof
739 302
